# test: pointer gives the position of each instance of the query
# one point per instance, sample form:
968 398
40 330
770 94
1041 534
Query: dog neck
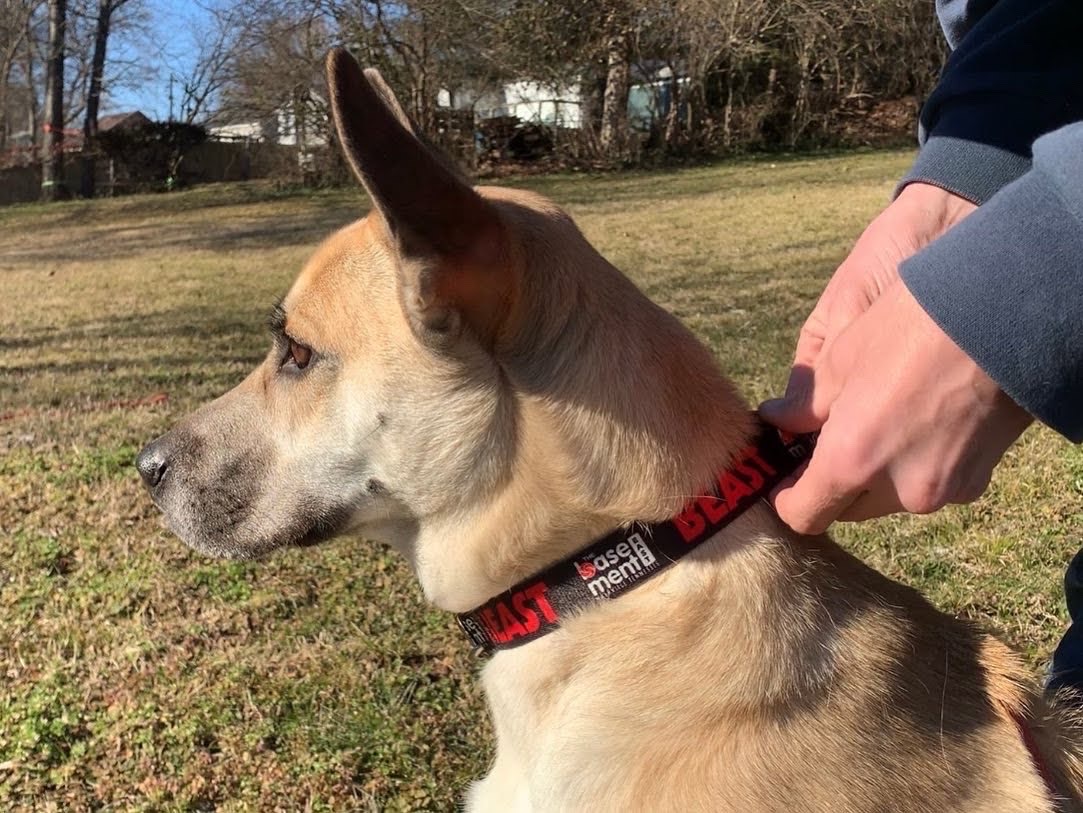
620 415
584 468
625 558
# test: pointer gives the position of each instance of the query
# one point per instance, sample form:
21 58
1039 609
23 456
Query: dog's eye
297 354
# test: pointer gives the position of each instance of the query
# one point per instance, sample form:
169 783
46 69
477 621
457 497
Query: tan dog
461 375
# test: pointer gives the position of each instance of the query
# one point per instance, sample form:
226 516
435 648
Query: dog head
457 361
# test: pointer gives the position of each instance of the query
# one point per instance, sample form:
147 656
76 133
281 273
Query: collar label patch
627 561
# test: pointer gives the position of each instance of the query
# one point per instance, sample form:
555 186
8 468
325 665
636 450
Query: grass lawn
139 676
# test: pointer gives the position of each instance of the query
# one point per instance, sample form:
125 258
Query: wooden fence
210 162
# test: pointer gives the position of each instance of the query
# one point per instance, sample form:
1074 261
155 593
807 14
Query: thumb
806 404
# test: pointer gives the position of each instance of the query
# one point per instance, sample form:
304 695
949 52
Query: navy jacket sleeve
1007 284
1014 74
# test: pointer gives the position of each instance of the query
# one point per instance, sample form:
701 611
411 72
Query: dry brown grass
138 676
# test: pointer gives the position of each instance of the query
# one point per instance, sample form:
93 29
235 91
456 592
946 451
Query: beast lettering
505 621
733 486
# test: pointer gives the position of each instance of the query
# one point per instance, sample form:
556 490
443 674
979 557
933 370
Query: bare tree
30 70
423 46
724 75
15 26
720 45
618 41
106 10
221 41
52 176
80 24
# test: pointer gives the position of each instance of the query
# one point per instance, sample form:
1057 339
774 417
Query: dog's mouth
329 524
233 526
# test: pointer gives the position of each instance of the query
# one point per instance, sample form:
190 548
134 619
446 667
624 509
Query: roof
133 118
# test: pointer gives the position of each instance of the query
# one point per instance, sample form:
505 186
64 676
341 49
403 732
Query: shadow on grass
729 177
189 220
200 198
181 234
155 326
188 347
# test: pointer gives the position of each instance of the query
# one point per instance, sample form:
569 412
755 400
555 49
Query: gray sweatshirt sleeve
1007 284
1015 73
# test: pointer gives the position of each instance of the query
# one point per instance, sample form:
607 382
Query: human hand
919 215
908 422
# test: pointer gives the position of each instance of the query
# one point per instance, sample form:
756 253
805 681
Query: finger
810 340
812 390
787 482
816 498
794 416
806 405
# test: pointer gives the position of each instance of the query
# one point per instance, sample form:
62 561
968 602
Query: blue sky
168 46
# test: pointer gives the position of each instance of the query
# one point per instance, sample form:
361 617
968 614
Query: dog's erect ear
451 240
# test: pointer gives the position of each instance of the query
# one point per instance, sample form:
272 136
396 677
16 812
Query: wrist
971 169
936 199
935 208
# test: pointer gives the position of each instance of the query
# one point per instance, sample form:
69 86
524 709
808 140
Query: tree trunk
94 95
799 116
300 130
52 171
727 110
5 126
614 131
673 121
16 33
33 111
591 90
6 65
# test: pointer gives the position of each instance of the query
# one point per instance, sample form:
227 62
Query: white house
529 101
537 102
280 127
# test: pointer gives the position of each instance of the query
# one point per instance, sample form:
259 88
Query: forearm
1014 75
1006 284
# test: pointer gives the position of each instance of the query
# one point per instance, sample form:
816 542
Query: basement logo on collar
623 564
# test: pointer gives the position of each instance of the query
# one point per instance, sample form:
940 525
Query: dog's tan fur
488 395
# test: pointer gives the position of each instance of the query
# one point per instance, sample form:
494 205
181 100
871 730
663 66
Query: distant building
21 149
243 129
649 100
526 100
73 136
121 121
283 126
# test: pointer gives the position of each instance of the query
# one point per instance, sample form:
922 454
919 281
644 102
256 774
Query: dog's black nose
152 462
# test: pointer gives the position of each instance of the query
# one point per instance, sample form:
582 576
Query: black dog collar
617 562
